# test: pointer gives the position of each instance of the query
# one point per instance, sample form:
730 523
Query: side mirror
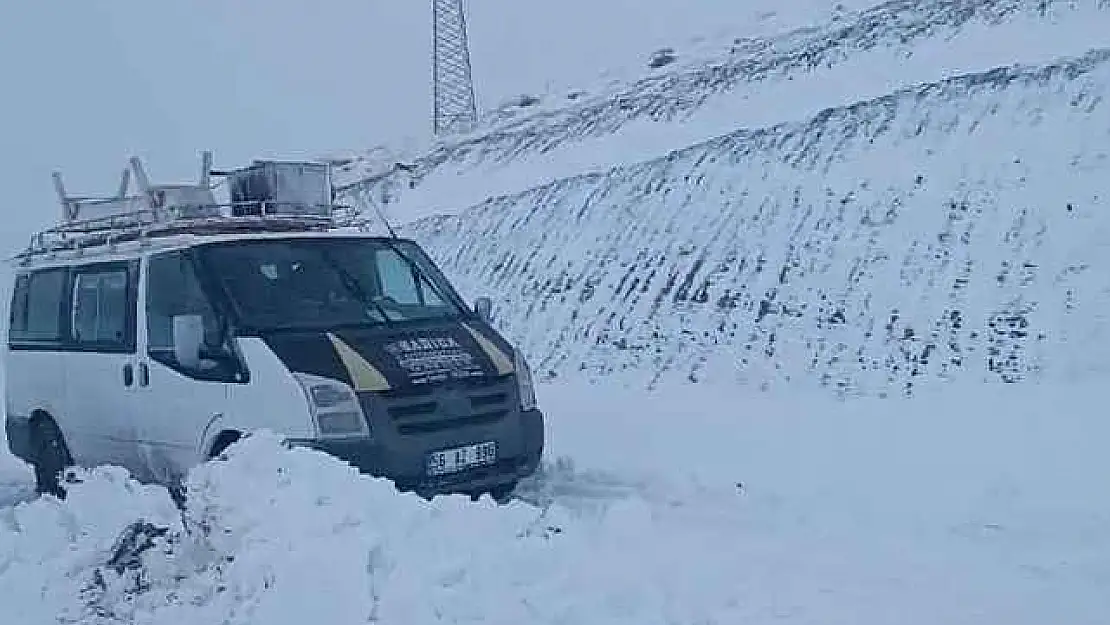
484 307
188 336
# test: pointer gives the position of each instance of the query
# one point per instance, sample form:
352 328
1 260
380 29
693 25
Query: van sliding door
99 368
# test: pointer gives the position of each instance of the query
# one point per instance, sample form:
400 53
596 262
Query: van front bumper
403 460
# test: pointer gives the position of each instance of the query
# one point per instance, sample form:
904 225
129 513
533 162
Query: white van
152 331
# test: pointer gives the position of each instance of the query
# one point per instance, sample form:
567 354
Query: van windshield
329 282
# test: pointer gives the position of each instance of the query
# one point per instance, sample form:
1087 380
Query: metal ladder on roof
170 209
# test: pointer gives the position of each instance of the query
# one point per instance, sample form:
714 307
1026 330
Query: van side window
36 315
101 308
173 288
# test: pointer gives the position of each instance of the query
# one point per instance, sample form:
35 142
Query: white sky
87 83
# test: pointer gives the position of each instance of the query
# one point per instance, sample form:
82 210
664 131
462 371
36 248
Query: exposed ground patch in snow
722 507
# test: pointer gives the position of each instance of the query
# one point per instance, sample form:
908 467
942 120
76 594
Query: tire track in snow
558 481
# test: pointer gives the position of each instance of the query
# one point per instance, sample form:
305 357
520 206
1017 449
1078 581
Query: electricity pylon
454 107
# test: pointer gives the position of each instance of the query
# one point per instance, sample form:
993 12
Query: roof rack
266 196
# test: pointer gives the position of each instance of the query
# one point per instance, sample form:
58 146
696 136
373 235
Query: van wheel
226 439
51 456
503 493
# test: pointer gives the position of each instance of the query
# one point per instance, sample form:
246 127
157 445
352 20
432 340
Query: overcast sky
84 84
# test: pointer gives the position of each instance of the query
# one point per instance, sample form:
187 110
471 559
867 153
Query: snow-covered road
689 505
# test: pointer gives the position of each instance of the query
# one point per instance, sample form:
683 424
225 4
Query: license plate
461 458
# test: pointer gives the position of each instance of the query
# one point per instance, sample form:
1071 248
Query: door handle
128 375
144 374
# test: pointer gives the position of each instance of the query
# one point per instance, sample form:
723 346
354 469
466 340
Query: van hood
394 358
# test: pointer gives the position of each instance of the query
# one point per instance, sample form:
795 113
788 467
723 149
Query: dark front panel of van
409 424
407 356
445 386
308 352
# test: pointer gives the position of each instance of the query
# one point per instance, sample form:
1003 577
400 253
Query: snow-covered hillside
752 82
956 228
865 244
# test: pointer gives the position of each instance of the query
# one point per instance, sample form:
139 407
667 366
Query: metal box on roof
281 188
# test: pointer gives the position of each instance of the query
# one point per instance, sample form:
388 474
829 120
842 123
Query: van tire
503 493
51 455
226 439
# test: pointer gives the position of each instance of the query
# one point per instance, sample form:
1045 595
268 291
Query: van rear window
36 314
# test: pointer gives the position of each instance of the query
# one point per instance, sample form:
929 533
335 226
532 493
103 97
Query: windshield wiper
420 276
353 286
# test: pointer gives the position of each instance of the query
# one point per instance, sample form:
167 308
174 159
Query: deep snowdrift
950 230
974 507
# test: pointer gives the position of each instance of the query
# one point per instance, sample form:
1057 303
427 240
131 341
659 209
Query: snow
613 46
16 478
692 504
819 314
874 248
572 55
757 83
1028 39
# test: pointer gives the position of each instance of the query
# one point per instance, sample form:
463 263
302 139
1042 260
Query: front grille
479 401
412 410
425 427
452 405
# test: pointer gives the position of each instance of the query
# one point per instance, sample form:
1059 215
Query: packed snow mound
270 535
51 551
890 518
950 230
752 82
16 477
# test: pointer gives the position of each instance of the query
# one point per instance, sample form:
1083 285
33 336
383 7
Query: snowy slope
766 251
781 510
954 229
750 82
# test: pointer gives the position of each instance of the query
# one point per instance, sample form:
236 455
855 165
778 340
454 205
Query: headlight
330 395
524 381
334 406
